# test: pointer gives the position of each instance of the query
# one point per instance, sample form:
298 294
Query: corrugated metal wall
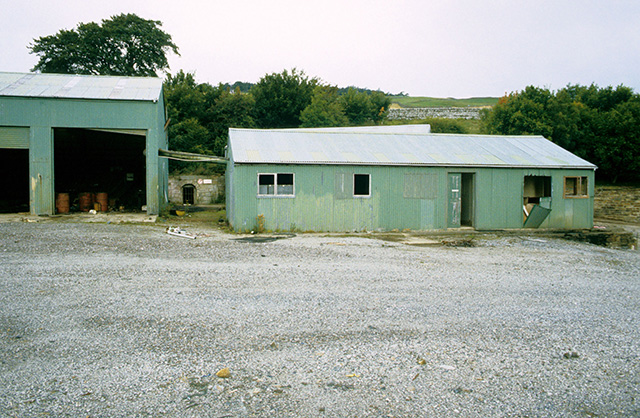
42 115
414 198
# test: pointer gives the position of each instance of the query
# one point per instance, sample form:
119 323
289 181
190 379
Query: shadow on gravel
258 239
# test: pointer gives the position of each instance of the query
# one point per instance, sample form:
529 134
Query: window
361 185
576 187
275 184
536 187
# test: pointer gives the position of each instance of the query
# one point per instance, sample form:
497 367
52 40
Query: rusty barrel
85 201
62 202
103 200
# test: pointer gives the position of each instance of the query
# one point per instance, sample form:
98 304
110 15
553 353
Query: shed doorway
14 180
97 161
461 200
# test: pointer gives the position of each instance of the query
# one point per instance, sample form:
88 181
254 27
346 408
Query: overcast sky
438 48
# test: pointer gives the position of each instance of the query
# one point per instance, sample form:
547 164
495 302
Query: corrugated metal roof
254 146
405 129
71 86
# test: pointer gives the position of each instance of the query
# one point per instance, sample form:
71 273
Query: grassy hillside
408 101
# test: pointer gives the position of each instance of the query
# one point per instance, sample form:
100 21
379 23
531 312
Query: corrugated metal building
349 180
76 133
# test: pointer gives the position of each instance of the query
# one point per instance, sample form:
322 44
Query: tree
357 106
184 97
123 45
188 135
281 97
363 107
325 109
380 103
229 110
601 125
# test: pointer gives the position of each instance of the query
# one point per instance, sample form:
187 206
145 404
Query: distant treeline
244 87
201 114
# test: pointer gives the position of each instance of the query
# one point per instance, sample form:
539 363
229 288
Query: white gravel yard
115 320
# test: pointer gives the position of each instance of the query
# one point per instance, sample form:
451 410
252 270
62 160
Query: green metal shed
368 180
77 133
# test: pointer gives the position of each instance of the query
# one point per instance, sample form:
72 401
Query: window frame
582 191
362 196
276 193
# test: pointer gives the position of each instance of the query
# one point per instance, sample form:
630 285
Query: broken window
276 184
361 185
576 187
536 187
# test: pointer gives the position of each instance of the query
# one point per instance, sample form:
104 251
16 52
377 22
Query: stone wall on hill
417 113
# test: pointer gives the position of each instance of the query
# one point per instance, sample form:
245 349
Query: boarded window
343 185
420 186
276 184
361 185
576 187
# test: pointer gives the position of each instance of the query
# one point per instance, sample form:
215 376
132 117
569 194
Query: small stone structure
205 189
618 203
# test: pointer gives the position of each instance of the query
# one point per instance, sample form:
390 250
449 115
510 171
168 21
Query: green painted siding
397 200
42 115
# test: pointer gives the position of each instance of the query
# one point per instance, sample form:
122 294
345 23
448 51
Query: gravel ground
124 320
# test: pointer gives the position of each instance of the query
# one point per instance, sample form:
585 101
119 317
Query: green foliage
325 109
189 136
443 125
184 98
123 45
362 108
281 97
201 114
229 110
601 125
357 107
380 103
447 126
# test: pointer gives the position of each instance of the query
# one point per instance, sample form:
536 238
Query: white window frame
362 196
275 186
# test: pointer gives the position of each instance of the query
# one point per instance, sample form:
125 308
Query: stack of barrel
86 201
62 203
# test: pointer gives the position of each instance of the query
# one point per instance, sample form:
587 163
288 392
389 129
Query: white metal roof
71 86
298 146
404 129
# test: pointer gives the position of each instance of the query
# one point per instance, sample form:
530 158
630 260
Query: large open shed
342 180
78 134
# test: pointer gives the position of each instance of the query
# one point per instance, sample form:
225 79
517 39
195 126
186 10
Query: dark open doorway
461 200
14 180
467 199
91 161
189 194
